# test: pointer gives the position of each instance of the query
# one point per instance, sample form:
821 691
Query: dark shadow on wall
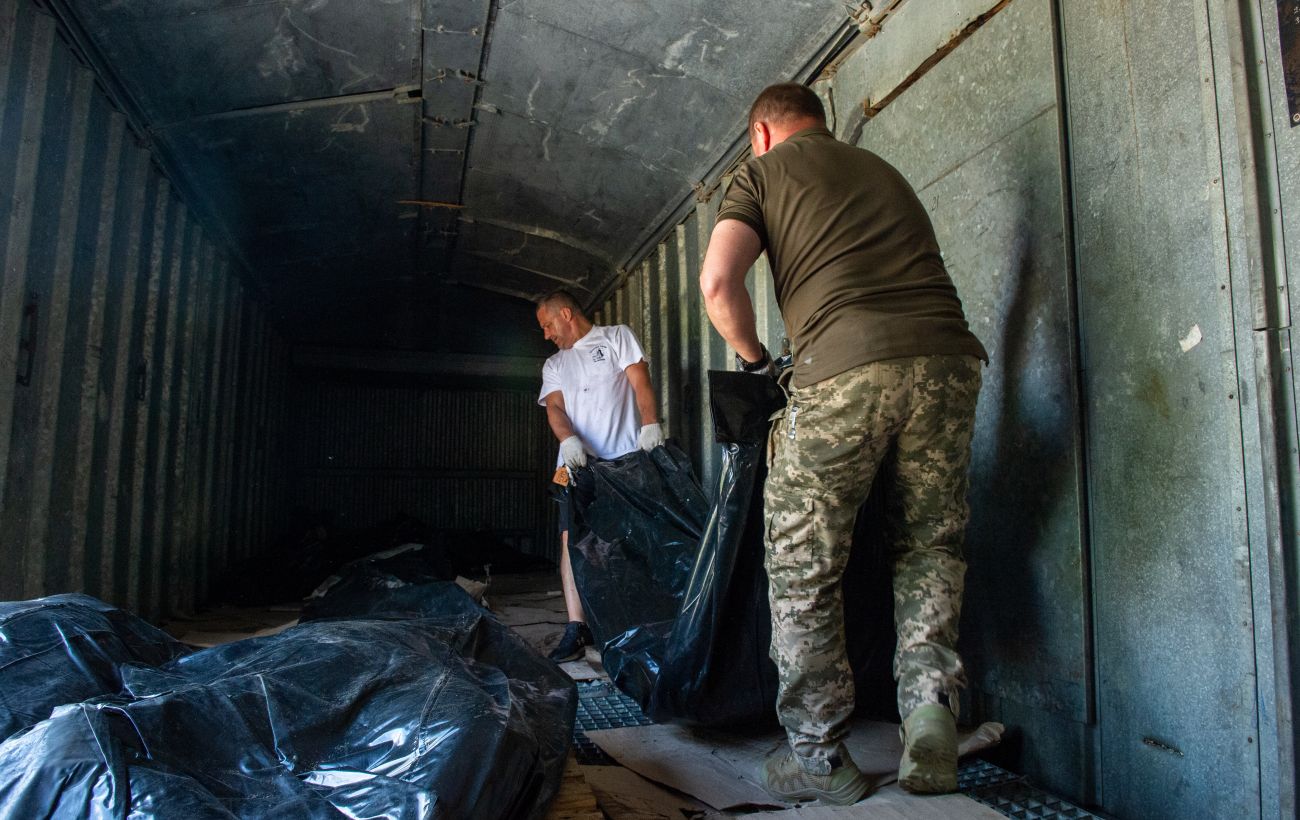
1023 588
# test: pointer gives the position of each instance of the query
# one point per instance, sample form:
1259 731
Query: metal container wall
1113 185
141 395
455 458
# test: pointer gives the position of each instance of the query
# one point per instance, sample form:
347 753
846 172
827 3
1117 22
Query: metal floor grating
1010 794
601 706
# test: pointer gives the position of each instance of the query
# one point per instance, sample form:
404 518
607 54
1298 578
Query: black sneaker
577 637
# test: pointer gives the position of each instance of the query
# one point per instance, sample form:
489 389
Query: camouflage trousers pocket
797 529
775 423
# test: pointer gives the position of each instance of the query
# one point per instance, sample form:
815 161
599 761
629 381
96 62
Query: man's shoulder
554 360
610 332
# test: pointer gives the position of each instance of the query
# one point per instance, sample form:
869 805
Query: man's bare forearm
638 375
556 416
733 248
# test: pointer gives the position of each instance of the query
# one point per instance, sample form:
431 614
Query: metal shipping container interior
277 255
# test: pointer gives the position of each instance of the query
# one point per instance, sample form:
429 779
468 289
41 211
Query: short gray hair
561 298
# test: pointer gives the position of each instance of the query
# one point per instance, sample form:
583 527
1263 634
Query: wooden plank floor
575 801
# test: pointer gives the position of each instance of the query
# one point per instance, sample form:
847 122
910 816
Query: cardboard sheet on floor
623 795
586 668
891 803
720 768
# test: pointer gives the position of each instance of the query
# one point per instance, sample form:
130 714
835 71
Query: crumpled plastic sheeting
449 715
364 586
675 590
646 510
68 648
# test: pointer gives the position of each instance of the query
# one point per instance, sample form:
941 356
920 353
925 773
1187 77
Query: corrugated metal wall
455 458
141 389
1110 184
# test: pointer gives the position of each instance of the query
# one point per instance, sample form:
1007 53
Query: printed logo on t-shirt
598 354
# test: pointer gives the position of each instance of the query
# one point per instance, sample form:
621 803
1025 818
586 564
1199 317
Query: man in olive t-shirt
886 377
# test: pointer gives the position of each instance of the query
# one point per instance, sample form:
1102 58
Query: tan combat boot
929 764
785 778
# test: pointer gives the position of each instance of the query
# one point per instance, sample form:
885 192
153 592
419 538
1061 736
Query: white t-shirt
598 398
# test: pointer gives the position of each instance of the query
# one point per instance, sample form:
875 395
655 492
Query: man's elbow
712 287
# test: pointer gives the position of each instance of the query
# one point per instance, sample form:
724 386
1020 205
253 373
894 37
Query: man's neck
584 327
785 131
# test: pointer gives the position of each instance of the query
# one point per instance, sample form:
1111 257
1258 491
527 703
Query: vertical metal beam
684 427
29 107
663 342
208 495
693 354
712 349
1255 255
39 572
261 476
140 549
242 476
228 436
161 498
119 358
87 424
178 536
8 33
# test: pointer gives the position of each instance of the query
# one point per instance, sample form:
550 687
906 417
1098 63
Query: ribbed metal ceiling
387 168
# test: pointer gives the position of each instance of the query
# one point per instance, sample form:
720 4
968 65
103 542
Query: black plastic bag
449 715
69 648
363 586
684 622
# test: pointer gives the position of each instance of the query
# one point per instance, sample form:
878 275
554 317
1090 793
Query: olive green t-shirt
855 263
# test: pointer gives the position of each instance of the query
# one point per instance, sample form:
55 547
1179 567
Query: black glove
763 367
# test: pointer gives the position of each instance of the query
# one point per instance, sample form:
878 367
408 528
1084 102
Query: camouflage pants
826 449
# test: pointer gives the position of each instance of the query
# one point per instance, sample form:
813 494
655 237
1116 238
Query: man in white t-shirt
599 401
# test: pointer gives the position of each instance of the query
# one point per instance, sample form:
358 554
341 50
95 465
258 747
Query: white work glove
572 453
652 435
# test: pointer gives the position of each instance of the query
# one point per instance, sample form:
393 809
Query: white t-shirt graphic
598 398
